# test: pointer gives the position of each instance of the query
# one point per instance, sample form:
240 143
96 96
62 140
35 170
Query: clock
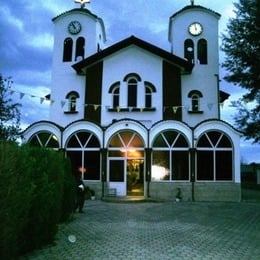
74 27
195 29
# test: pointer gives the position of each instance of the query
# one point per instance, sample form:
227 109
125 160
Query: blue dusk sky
26 42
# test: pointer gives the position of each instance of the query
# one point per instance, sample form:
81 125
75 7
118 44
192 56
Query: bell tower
78 34
193 35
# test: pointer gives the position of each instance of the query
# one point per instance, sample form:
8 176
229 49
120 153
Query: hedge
37 192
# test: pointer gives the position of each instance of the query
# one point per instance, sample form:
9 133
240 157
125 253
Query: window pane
189 50
132 94
204 142
224 165
214 137
205 165
92 165
202 51
76 161
224 142
160 165
67 49
180 165
171 136
159 142
181 142
116 170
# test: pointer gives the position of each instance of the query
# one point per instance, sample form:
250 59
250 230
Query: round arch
43 126
127 125
82 125
170 125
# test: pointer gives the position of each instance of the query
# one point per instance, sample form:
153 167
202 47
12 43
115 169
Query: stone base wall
203 191
168 190
217 191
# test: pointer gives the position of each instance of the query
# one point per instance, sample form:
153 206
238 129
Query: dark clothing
81 189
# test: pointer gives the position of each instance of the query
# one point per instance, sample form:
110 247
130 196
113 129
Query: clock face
74 27
195 29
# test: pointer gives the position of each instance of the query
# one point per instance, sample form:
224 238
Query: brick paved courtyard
165 230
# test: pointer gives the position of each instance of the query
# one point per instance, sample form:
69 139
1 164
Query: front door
135 177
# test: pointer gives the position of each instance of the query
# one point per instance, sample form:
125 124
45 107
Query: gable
184 66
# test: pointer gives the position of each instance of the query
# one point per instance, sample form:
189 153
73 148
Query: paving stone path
165 230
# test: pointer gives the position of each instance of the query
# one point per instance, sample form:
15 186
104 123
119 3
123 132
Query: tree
242 48
9 112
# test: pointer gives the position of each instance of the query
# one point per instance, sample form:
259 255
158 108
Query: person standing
81 189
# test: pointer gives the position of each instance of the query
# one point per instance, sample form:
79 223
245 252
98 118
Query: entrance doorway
127 176
135 177
126 164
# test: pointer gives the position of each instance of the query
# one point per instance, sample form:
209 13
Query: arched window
202 52
195 96
115 91
44 139
72 101
80 49
149 89
132 92
214 157
189 50
67 49
83 149
170 157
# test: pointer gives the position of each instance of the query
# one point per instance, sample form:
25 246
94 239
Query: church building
138 120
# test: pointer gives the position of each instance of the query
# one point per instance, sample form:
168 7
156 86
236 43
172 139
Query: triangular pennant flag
118 109
41 100
210 105
96 107
22 95
174 109
62 103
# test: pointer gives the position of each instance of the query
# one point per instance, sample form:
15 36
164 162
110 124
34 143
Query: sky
26 42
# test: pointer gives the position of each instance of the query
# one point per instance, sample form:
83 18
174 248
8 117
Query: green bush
37 191
15 200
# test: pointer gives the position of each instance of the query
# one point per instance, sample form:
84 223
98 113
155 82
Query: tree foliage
241 45
9 112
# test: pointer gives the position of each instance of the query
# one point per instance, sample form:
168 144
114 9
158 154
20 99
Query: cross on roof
82 2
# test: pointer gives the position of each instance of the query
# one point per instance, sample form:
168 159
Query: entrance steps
128 199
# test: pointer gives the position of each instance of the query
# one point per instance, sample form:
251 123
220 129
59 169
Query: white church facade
137 119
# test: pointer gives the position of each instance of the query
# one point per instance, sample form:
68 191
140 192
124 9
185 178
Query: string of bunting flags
22 94
97 106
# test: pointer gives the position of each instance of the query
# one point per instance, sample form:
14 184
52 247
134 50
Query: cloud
26 40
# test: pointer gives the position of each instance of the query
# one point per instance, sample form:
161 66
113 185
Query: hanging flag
222 104
96 107
62 103
174 109
21 95
141 109
118 109
210 105
41 100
